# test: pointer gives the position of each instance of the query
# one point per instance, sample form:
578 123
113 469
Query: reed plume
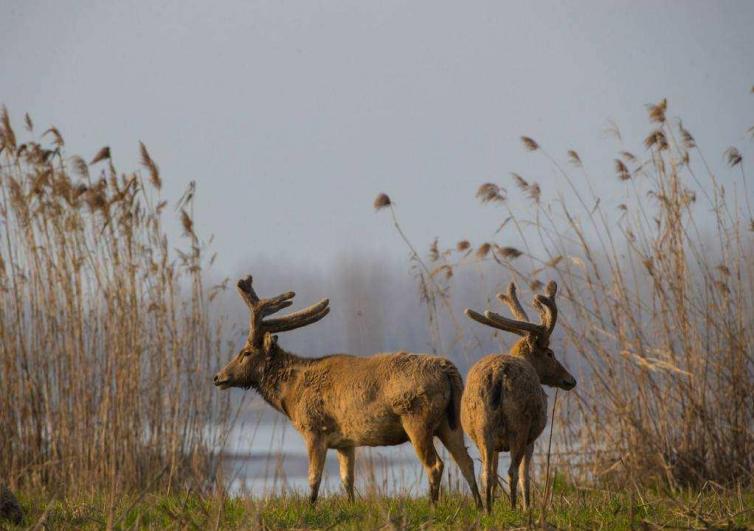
107 335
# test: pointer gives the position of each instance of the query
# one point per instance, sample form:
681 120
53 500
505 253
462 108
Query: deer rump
504 394
357 401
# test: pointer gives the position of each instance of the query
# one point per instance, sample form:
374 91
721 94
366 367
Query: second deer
504 407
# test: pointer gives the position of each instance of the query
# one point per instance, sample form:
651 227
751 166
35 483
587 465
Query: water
265 455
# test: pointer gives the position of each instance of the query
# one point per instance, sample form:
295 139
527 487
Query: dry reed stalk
657 307
105 334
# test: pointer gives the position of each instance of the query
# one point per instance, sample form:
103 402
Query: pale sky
292 116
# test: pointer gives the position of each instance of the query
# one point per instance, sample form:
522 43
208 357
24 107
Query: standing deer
343 401
504 407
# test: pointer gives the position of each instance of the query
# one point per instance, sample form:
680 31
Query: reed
657 306
105 331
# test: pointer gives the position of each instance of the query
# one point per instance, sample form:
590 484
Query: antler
260 308
495 320
511 299
547 309
544 304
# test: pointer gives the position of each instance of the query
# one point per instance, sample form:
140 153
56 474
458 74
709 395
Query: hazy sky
292 116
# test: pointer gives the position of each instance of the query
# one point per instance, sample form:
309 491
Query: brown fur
343 401
504 407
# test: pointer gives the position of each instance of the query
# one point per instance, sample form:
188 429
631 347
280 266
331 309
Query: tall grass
105 332
656 300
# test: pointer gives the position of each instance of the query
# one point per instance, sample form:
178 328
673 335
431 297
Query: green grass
571 508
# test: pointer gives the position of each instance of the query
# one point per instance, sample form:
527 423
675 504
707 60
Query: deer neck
524 350
279 371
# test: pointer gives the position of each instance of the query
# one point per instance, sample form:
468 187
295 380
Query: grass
571 508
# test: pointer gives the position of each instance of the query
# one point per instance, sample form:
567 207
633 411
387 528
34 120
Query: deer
343 401
504 407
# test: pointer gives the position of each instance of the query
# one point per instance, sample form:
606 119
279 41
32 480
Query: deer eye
550 354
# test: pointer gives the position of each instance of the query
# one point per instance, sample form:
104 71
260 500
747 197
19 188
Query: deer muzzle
221 380
568 383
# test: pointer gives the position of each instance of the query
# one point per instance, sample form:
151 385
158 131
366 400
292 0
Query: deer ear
533 341
269 343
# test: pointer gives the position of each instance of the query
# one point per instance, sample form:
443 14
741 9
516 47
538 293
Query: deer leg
421 437
453 441
317 450
489 473
518 450
495 482
523 473
346 458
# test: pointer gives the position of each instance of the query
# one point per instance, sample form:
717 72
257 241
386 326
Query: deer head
247 368
535 344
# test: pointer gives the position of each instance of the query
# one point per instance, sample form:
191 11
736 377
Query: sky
292 116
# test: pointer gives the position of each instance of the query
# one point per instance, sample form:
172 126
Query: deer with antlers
343 401
504 407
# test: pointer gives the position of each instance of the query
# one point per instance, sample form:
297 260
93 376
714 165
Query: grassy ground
571 508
